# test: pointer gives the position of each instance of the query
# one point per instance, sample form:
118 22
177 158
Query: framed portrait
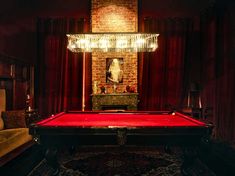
114 70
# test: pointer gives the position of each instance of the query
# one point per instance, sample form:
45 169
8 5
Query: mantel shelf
114 94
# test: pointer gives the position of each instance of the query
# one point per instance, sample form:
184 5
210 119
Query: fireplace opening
114 107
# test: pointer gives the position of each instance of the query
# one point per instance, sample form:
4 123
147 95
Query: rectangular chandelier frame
112 42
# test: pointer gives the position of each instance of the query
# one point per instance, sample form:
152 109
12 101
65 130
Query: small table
119 128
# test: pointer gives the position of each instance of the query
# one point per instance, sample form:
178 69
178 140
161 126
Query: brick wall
129 70
114 16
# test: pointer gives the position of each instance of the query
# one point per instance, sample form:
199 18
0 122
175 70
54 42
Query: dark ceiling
14 9
17 17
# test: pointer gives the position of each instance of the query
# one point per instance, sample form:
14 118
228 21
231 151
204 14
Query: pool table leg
121 137
51 157
167 149
72 150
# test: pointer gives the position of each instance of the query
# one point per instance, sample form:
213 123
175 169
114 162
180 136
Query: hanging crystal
112 42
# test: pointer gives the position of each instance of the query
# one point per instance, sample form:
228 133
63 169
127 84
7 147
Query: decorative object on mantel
114 87
95 87
130 89
102 90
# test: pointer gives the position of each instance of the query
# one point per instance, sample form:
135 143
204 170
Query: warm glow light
112 42
121 43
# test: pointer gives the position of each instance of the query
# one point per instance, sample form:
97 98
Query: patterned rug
121 162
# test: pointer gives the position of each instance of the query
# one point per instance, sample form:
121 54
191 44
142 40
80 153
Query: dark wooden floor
219 157
24 163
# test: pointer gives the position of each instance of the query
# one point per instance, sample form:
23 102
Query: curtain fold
218 69
162 73
59 71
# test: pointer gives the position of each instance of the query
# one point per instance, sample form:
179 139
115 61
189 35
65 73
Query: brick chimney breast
114 16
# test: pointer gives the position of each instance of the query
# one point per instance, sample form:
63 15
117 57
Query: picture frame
114 70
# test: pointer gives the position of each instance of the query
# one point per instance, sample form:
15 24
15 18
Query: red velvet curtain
162 74
59 71
218 70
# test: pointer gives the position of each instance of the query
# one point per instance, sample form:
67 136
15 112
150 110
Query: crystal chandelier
112 42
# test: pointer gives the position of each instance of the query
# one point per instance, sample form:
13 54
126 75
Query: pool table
119 128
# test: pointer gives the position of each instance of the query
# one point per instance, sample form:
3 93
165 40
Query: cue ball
173 113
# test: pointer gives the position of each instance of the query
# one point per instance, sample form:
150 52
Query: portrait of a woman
114 72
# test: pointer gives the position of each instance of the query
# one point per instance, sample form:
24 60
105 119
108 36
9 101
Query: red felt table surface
119 119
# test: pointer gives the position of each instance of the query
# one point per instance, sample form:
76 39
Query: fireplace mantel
123 101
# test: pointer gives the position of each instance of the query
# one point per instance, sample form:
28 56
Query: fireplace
114 107
118 101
